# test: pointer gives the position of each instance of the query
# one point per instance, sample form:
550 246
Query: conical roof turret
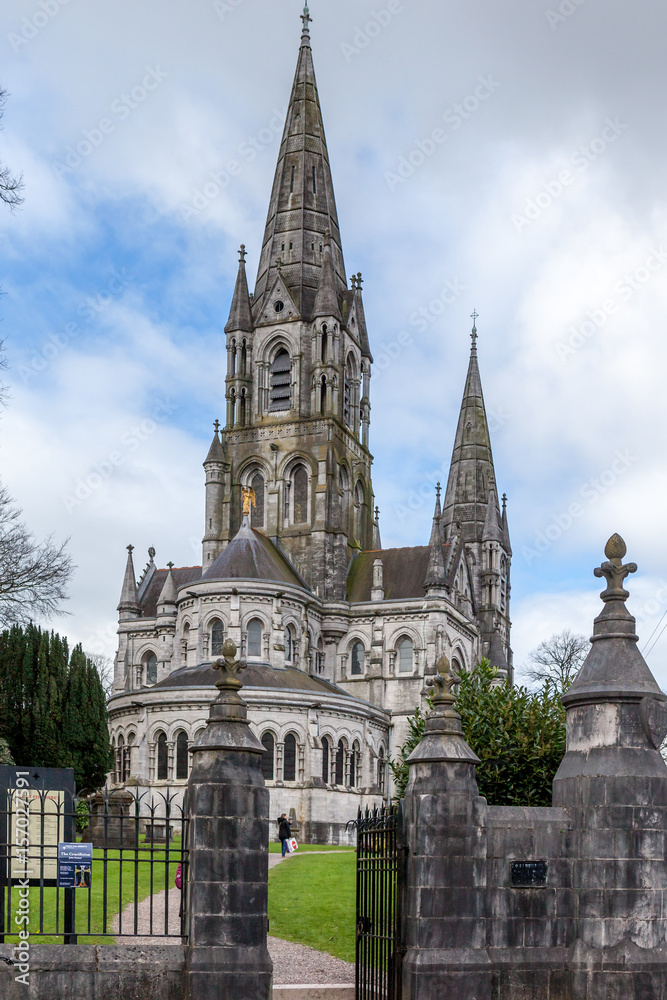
240 314
166 604
128 606
471 473
216 453
302 205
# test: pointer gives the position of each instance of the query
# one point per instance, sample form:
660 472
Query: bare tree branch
557 660
104 665
11 185
33 575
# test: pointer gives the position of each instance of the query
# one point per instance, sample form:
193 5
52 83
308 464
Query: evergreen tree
518 735
52 705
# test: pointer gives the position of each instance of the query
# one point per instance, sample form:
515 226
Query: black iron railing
381 861
139 839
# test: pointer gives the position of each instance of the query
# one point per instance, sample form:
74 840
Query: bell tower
298 371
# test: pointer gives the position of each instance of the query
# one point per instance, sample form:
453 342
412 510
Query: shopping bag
292 845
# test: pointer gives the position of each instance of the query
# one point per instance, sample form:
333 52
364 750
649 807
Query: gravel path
293 964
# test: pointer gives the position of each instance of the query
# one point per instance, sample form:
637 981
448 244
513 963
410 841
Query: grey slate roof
404 573
182 576
255 675
252 556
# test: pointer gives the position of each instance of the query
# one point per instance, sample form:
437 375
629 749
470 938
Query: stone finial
242 253
443 682
229 668
614 571
151 554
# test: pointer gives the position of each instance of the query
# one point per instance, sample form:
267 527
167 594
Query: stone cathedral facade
340 635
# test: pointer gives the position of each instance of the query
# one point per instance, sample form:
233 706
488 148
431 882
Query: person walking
284 832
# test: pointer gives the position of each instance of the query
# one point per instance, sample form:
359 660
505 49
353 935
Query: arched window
150 668
300 495
325 343
185 642
280 382
217 637
242 408
354 765
257 515
232 407
326 760
290 644
233 353
405 651
289 758
319 657
340 763
121 758
182 755
357 666
255 638
269 745
381 770
162 757
244 358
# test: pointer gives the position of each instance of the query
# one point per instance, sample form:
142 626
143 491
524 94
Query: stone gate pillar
228 808
443 923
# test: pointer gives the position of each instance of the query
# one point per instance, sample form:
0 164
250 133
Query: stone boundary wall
97 972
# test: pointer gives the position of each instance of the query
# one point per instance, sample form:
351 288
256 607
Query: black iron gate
381 860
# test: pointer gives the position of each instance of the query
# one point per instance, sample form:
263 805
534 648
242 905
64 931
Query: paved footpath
293 964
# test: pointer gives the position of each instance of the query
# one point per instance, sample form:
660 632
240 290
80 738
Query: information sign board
75 866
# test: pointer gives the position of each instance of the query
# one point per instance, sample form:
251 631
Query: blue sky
508 160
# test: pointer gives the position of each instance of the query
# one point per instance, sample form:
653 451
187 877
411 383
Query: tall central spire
302 205
471 474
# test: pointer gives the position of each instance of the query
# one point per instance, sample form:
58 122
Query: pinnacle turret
326 300
436 574
493 531
128 606
167 600
216 453
240 315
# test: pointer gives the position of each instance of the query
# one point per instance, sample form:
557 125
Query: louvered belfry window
281 378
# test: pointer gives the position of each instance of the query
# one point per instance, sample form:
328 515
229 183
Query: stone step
314 992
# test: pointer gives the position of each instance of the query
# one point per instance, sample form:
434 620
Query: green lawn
312 901
120 892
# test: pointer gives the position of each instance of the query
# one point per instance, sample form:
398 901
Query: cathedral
339 634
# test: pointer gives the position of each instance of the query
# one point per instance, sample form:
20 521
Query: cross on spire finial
170 565
353 281
438 490
305 17
377 513
473 335
216 425
359 279
130 549
242 253
504 498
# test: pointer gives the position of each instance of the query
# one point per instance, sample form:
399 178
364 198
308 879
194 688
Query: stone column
444 927
613 782
228 807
